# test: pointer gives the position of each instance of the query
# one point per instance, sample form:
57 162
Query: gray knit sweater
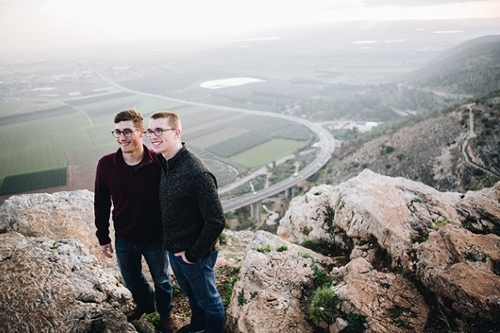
192 213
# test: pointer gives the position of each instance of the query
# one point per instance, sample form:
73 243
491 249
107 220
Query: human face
132 144
165 143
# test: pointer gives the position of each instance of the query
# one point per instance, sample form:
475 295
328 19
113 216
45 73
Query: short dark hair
130 114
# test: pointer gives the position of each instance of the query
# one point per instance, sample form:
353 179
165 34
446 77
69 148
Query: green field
216 137
33 181
38 146
266 152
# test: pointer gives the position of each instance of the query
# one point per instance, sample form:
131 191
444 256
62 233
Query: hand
107 250
183 255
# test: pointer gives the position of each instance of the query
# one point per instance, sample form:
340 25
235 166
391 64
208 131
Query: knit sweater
192 213
133 193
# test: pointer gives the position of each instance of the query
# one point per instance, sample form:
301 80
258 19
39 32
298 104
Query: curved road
465 144
327 146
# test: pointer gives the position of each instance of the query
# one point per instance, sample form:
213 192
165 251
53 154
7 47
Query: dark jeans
129 256
197 281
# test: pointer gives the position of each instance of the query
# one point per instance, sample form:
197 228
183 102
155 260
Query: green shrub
439 224
324 306
227 287
223 239
153 318
282 248
355 323
241 299
264 249
321 278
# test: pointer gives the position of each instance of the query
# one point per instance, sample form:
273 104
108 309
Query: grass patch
265 153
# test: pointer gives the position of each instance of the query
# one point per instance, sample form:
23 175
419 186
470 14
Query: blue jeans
129 257
197 281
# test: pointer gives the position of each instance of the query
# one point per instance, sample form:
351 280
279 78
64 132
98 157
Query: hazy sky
25 23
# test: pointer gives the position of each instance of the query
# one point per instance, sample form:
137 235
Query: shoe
135 314
167 323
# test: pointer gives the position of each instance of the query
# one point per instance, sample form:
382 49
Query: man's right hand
107 250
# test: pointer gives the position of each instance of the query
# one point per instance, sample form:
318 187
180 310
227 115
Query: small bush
321 278
153 318
323 307
227 287
439 224
264 249
223 239
241 299
355 323
282 248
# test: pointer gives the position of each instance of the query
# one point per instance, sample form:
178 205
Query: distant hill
469 69
473 67
441 150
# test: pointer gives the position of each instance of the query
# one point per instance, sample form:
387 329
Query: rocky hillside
470 68
391 255
454 150
373 254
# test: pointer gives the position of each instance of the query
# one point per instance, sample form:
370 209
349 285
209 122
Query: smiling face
132 144
168 143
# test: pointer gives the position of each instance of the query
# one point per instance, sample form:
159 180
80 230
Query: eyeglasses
127 132
158 131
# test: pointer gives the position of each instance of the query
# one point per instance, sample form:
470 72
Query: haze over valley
345 76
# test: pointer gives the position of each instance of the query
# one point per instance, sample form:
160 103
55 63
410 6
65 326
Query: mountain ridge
453 150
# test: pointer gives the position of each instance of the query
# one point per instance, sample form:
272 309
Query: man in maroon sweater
127 180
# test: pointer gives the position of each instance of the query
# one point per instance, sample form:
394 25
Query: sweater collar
174 160
147 158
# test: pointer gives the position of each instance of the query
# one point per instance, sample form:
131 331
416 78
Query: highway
326 146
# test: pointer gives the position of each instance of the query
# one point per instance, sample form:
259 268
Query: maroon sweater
133 191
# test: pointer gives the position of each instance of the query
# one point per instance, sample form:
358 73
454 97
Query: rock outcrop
52 275
373 254
56 286
414 253
60 215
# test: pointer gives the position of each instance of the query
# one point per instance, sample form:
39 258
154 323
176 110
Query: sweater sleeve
211 210
102 206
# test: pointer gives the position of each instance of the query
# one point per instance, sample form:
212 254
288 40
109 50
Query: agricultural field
38 146
33 180
265 153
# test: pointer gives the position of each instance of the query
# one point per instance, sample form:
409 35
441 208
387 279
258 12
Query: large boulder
274 278
61 215
53 275
57 286
411 249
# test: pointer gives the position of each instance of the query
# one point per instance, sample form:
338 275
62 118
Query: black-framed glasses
127 132
158 131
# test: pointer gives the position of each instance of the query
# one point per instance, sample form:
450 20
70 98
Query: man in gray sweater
193 220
